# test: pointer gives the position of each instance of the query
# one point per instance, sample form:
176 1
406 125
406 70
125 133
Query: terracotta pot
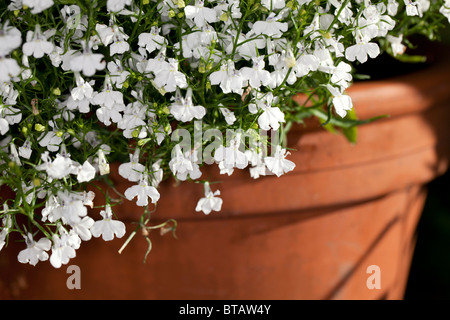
311 234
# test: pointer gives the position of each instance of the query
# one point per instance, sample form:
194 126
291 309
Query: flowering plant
85 83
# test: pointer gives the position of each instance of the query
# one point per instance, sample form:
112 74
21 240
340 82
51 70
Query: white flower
7 224
87 62
200 14
108 97
185 110
62 251
10 39
35 251
361 50
411 8
59 168
117 74
342 102
38 6
9 68
273 4
277 164
392 7
231 156
230 118
184 164
445 9
271 27
86 172
132 170
151 41
70 208
103 164
305 64
341 74
37 44
170 78
117 5
396 44
257 75
108 228
271 116
142 191
229 79
211 201
82 228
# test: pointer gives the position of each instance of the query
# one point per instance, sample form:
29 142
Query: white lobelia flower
445 9
151 41
10 39
86 172
185 110
230 118
305 63
200 14
341 74
271 117
87 62
114 37
5 229
108 228
256 75
362 49
15 5
37 44
35 251
9 68
25 150
117 73
247 45
143 190
82 228
271 27
117 5
211 201
110 102
228 78
108 97
132 170
277 164
184 164
59 168
62 251
398 48
231 157
342 102
411 8
83 90
103 165
70 209
37 6
170 78
8 116
133 121
273 4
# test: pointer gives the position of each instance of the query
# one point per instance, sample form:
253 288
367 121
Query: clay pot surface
310 234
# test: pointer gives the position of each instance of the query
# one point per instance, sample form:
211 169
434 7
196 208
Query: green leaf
351 133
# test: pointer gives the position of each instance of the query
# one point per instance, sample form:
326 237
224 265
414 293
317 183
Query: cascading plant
87 83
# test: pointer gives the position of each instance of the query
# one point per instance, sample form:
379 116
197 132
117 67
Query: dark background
429 277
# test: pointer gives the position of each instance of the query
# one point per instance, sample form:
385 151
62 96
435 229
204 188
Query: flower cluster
84 83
